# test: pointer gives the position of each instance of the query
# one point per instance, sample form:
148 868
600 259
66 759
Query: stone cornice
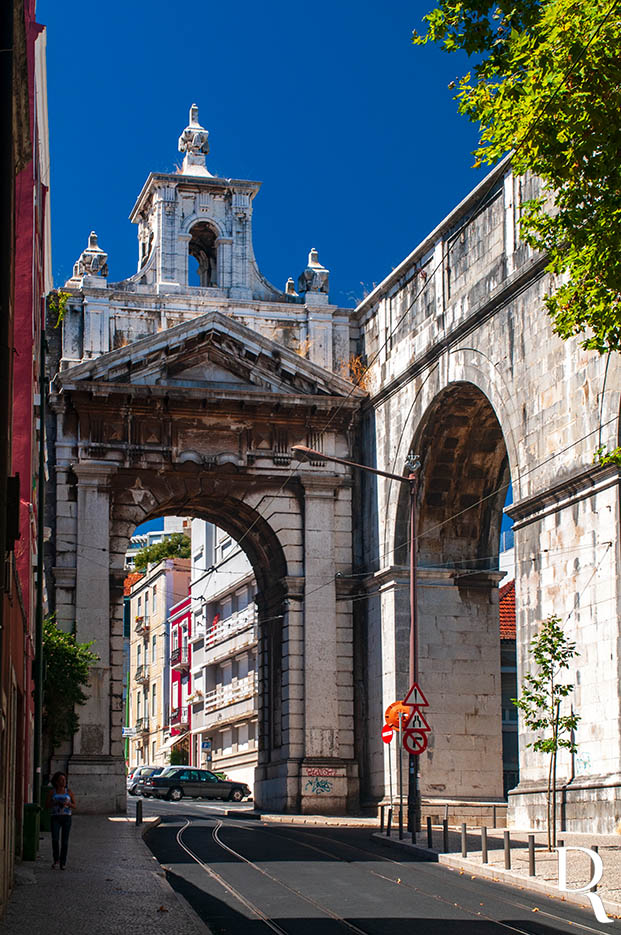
189 181
566 493
94 473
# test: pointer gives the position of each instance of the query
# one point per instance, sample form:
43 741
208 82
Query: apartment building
223 642
151 601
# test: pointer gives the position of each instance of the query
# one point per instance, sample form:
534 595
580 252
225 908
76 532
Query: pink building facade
180 677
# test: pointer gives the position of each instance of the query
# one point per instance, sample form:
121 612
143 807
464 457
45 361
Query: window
138 702
153 699
139 655
242 737
139 607
146 607
154 598
153 752
153 652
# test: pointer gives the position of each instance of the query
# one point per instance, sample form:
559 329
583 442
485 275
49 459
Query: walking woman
60 800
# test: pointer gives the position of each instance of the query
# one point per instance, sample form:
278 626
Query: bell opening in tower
202 248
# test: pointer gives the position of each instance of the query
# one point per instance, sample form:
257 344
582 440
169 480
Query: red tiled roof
130 581
507 611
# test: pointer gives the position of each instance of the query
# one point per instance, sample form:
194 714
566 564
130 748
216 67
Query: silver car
134 777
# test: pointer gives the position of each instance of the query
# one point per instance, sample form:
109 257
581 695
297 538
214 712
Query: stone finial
315 277
290 287
194 143
92 262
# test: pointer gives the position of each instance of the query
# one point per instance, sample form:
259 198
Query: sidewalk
545 881
112 885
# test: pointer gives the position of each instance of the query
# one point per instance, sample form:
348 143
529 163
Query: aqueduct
173 398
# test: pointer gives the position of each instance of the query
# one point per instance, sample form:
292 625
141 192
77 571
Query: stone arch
464 478
461 365
256 537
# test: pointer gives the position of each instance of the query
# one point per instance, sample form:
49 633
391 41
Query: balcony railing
142 725
179 658
180 717
141 625
229 694
142 674
236 623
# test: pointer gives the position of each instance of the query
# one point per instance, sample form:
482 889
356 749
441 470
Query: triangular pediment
214 353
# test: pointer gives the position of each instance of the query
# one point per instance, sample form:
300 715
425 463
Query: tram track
411 886
280 927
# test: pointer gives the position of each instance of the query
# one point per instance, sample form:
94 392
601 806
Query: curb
500 875
325 820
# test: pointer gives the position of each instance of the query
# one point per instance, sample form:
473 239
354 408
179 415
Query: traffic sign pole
414 809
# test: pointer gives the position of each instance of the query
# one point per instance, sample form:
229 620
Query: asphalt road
248 878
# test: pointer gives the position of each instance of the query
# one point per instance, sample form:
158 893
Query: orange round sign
392 713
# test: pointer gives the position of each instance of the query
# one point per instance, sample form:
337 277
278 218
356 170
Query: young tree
66 666
175 546
540 703
546 83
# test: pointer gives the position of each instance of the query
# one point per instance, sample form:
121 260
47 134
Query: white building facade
224 655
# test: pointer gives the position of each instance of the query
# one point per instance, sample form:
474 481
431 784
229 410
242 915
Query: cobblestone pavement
112 884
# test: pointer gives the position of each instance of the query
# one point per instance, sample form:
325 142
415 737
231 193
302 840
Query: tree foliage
543 693
547 84
175 546
66 666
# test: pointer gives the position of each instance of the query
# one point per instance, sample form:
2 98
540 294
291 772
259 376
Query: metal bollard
596 849
429 832
445 836
400 823
493 816
139 812
531 855
507 838
382 807
464 840
389 822
483 844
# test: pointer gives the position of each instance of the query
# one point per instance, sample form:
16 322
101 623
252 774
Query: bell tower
195 229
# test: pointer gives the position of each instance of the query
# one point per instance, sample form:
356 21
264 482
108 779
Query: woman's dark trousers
61 826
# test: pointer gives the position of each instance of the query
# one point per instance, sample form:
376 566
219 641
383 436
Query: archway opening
463 484
203 256
203 655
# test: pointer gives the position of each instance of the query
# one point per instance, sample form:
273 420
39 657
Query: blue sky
351 129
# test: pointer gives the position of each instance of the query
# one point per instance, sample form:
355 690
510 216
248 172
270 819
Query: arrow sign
415 741
387 733
415 697
417 721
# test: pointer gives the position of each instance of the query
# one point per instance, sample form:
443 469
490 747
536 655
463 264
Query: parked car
134 777
140 790
175 782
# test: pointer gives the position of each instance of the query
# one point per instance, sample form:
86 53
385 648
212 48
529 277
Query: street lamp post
303 453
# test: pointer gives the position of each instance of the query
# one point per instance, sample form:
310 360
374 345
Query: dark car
176 781
147 775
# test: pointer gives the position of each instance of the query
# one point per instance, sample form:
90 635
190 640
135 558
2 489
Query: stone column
459 672
97 776
323 774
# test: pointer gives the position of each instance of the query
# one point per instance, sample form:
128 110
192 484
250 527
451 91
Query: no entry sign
387 733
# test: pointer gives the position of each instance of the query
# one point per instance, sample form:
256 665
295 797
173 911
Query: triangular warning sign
415 697
417 721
